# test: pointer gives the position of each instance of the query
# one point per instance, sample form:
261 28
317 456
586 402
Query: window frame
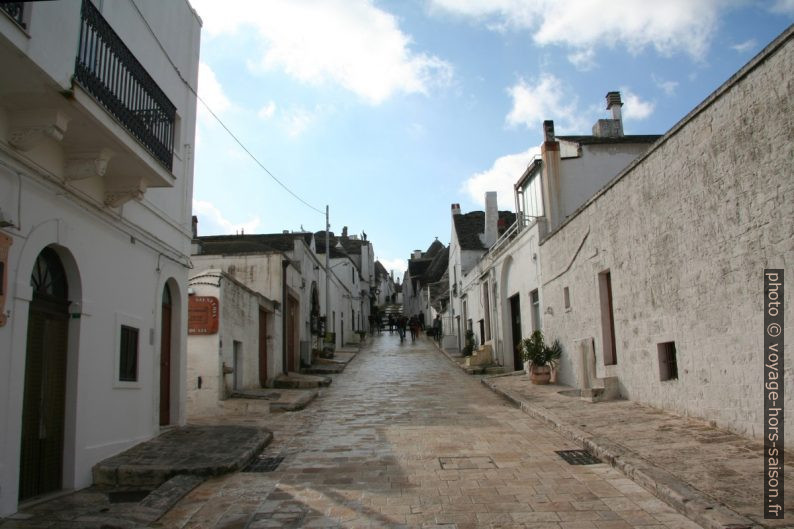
130 322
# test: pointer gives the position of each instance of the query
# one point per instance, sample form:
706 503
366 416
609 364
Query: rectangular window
668 367
128 356
486 311
566 295
532 197
534 301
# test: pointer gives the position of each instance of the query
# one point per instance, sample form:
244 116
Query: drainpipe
284 265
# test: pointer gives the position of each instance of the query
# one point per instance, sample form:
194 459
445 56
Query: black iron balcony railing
14 10
109 71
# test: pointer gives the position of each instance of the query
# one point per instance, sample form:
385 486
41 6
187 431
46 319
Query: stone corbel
119 193
30 128
87 164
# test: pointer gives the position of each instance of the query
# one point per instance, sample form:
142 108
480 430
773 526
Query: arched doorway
165 358
44 397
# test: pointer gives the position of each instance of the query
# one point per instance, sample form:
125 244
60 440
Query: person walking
414 324
437 328
401 323
391 323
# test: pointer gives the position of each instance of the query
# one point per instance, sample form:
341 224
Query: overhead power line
218 119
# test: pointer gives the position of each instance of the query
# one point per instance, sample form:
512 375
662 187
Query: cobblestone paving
404 439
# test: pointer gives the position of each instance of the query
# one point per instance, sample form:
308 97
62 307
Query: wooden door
165 359
44 396
262 347
515 319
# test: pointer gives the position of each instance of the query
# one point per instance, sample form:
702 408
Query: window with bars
128 354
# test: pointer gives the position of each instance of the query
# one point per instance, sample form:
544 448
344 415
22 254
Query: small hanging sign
202 315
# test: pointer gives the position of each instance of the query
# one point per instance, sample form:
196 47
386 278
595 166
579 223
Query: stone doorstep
294 380
126 470
303 399
681 496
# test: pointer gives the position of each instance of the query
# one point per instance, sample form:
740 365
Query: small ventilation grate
578 457
265 464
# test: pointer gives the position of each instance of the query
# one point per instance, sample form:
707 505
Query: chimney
491 219
611 128
344 232
195 227
416 254
548 130
455 209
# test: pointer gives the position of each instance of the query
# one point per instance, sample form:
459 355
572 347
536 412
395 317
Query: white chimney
417 254
455 209
491 219
611 128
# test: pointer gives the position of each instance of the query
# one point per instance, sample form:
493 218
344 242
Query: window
668 367
534 301
566 295
128 355
531 197
486 311
17 11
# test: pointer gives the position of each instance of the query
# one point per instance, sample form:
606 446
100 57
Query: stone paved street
403 438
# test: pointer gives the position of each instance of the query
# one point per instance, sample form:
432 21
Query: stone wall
686 233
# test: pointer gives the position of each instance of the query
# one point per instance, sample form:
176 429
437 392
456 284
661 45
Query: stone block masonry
685 233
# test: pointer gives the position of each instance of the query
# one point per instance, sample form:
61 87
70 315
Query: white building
230 340
97 121
658 282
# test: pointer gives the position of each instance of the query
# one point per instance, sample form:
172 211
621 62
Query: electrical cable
214 115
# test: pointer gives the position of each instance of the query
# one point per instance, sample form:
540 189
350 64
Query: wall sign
202 315
5 243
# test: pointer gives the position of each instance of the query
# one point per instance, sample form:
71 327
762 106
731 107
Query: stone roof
380 270
268 242
435 247
319 245
469 226
438 265
591 140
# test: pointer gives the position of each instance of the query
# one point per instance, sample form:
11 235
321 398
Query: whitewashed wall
686 234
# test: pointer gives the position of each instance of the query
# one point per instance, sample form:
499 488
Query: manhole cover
265 464
127 496
466 463
578 457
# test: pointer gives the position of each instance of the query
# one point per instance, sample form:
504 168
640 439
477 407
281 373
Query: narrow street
403 438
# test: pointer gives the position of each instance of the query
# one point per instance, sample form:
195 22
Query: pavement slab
404 440
710 474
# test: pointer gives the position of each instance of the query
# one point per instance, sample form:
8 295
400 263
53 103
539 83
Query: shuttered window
128 359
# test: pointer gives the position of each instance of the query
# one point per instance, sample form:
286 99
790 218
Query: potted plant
468 348
539 358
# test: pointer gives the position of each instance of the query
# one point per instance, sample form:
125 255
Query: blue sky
390 111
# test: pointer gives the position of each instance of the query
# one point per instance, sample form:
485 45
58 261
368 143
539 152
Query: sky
388 112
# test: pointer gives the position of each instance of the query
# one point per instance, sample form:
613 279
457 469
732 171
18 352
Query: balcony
107 69
15 11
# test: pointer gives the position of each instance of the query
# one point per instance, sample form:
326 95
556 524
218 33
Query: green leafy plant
535 351
468 348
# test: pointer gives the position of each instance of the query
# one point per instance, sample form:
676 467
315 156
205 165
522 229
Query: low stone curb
297 404
684 498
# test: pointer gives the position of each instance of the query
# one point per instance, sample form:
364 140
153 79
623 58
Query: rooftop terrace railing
107 69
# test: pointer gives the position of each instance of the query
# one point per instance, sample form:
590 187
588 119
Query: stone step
294 380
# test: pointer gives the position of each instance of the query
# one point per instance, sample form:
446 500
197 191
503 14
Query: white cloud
211 92
501 177
297 120
668 87
267 111
351 43
783 6
213 222
745 46
634 107
671 26
548 99
583 59
398 265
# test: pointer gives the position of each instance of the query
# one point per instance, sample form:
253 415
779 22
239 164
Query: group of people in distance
401 323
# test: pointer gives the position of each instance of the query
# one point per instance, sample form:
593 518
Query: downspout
284 265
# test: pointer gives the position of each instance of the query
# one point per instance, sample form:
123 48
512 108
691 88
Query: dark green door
41 459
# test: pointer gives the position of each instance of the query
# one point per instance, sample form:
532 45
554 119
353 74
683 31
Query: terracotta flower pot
540 374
